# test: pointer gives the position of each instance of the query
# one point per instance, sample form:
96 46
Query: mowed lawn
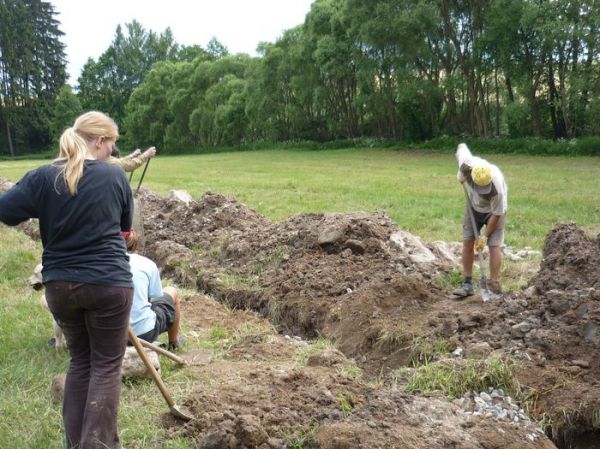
417 189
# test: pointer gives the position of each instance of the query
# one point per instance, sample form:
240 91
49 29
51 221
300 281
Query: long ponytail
73 151
75 142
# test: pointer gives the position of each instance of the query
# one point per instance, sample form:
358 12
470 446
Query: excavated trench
362 282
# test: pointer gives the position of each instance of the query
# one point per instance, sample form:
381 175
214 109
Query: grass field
417 189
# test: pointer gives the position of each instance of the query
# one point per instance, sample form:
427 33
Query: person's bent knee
173 293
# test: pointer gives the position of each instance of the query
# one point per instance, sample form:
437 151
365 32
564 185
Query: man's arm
131 162
491 226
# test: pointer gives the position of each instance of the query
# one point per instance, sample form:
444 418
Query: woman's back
80 233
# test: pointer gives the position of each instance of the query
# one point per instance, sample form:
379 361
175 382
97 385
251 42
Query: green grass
416 188
27 366
454 378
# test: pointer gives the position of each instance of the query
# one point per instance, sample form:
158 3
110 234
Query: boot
466 289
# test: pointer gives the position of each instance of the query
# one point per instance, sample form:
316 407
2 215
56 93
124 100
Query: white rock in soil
181 196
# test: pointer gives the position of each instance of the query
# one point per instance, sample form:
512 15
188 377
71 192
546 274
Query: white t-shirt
146 284
496 204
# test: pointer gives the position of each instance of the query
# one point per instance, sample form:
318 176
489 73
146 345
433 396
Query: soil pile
348 277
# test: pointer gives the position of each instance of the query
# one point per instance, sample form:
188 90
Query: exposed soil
381 295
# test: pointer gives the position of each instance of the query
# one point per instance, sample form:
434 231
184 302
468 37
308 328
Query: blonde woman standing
82 203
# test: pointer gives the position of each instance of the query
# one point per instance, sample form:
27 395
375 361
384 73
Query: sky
89 26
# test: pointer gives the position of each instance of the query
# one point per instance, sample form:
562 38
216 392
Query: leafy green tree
148 112
332 49
216 49
219 118
107 84
66 110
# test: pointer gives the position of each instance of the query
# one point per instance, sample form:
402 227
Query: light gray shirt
496 202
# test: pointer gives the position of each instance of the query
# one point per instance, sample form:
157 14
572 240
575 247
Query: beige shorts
481 219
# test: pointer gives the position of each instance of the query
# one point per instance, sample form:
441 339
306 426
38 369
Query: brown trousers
94 319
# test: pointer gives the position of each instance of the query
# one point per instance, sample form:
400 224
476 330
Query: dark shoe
174 345
466 289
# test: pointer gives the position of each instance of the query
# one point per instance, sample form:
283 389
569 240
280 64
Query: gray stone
356 246
520 329
486 397
329 236
57 389
479 350
133 366
580 363
180 195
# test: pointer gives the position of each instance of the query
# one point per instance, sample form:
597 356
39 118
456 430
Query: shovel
162 351
484 291
176 410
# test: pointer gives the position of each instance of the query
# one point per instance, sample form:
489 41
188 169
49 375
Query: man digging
488 202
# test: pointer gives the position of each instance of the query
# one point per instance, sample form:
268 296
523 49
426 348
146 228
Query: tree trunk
556 114
536 124
497 94
509 90
11 147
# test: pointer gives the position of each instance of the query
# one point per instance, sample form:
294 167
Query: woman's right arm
19 203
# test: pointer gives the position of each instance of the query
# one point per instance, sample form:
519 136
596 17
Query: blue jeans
94 319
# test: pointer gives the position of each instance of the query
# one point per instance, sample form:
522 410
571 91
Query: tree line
406 70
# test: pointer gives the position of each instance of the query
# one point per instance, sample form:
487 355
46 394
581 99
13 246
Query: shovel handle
142 177
162 351
155 376
476 232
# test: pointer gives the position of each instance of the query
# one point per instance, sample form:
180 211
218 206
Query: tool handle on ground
142 178
476 232
155 376
162 351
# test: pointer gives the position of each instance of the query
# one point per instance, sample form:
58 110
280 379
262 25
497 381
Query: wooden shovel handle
162 351
155 376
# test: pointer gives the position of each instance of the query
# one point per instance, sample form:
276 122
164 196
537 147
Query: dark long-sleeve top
80 233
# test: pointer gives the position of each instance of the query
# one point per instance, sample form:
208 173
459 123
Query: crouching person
155 309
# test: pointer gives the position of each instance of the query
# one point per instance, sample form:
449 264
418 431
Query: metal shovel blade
485 293
181 412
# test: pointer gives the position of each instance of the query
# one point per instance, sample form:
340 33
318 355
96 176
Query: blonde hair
73 144
133 241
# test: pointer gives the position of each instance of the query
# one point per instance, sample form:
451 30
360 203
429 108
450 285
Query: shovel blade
485 293
181 412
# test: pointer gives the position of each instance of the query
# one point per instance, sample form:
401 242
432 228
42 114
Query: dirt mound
342 276
381 295
571 260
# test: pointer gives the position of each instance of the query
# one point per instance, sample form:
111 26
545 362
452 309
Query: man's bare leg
467 257
495 262
174 329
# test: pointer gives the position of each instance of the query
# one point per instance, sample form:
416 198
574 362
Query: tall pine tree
32 71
